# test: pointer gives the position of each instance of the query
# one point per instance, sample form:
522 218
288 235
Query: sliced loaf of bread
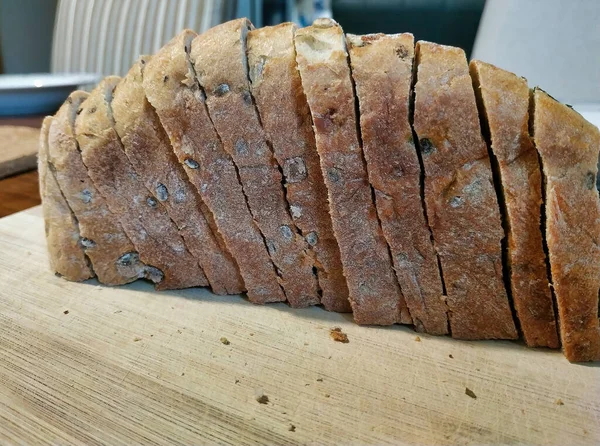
503 101
568 146
462 206
146 222
280 100
65 252
172 89
382 67
219 58
149 151
323 64
102 236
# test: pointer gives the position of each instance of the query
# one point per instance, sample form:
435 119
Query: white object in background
553 43
37 94
107 36
305 12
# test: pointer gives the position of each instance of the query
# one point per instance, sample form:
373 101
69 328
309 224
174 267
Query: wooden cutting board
18 149
84 363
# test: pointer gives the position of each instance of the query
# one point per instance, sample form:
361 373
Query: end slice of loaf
322 61
149 151
219 57
171 87
103 239
503 100
145 221
66 254
382 67
568 146
462 206
281 103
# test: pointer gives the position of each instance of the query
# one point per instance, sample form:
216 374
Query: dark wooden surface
21 191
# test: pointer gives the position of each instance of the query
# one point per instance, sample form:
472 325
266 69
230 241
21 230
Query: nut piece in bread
171 87
154 235
103 239
568 146
462 206
219 57
66 254
382 67
323 64
149 151
503 101
277 89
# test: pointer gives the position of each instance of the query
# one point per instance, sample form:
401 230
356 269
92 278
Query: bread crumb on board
260 396
292 428
137 339
559 402
338 336
417 339
225 341
66 312
470 393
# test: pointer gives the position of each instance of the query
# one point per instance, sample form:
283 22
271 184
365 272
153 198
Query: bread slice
462 206
102 238
322 61
149 151
382 68
284 113
66 254
219 57
171 87
503 101
568 146
144 219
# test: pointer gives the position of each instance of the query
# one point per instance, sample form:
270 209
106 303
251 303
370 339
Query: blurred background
553 43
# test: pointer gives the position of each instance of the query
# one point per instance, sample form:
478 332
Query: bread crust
149 151
152 232
65 252
373 289
103 239
382 72
503 100
180 105
277 89
568 146
461 201
219 57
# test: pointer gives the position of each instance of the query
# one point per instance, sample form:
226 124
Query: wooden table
21 191
87 364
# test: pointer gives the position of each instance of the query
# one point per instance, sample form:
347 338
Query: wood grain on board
84 363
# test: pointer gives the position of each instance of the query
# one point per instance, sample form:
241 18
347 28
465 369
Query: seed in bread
219 57
277 90
382 67
568 146
461 201
322 61
155 236
66 254
102 236
149 151
180 104
503 100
